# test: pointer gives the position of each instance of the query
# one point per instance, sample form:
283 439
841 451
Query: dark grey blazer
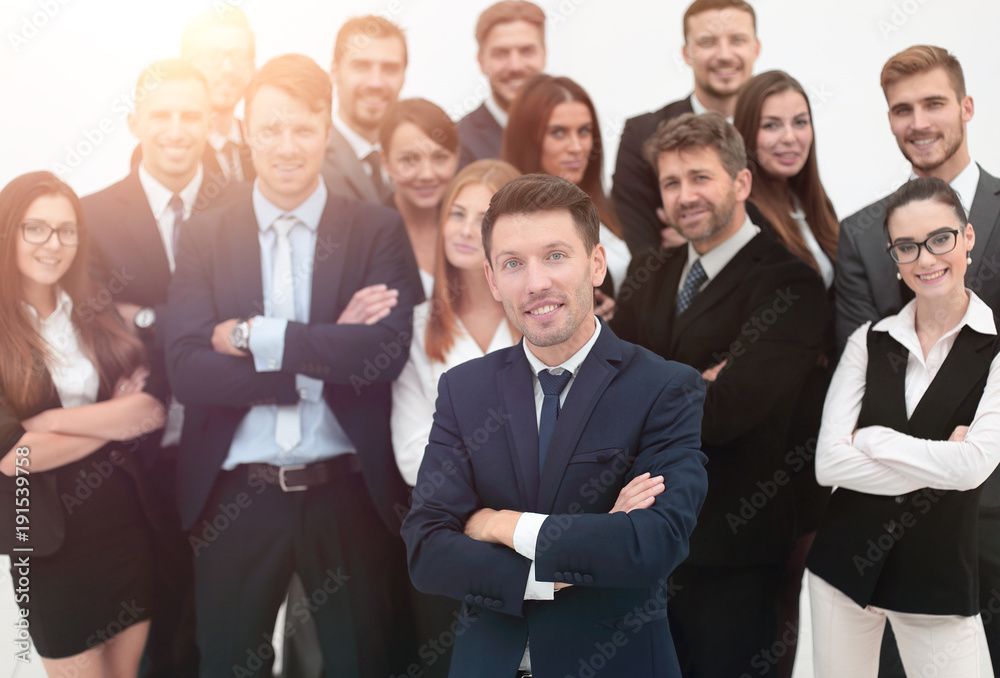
344 173
480 135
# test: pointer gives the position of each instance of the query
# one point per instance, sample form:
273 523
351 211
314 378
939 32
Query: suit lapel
983 216
241 232
662 324
141 228
596 372
328 260
517 397
342 155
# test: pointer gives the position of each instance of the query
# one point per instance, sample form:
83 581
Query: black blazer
916 552
218 277
767 313
636 191
343 173
481 136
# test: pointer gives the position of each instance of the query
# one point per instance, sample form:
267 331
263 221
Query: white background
67 66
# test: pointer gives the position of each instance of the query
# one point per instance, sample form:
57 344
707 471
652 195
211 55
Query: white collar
699 108
218 141
309 211
158 196
63 310
965 184
719 256
572 363
902 326
498 113
361 146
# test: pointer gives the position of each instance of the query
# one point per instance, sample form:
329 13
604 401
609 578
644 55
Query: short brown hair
223 15
699 6
358 32
708 130
427 116
297 75
508 11
920 59
534 193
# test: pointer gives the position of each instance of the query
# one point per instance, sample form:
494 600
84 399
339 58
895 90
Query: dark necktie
177 207
695 279
552 386
375 164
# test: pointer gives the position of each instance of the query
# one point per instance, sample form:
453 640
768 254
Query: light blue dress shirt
322 435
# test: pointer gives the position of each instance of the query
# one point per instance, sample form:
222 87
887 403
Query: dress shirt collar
498 113
902 326
158 196
699 108
218 141
63 312
572 363
309 211
719 256
361 146
965 184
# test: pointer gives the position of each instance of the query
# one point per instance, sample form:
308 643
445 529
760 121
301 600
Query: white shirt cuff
309 389
526 533
267 343
538 590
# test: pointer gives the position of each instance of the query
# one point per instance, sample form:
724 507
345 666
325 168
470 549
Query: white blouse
825 265
73 373
619 257
879 460
414 393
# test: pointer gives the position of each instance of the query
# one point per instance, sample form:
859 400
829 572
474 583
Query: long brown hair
441 328
25 384
771 194
529 118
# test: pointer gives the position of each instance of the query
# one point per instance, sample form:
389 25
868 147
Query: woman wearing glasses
910 430
72 386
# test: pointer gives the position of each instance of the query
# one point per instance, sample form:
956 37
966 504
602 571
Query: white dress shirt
825 265
717 258
965 184
619 257
414 393
230 163
530 524
498 113
158 196
73 374
699 108
879 460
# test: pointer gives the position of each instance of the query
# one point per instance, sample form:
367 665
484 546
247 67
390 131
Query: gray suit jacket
344 173
866 286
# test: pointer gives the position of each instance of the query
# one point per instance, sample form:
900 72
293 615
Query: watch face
240 335
145 317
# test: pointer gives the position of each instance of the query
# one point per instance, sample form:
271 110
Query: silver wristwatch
239 336
145 318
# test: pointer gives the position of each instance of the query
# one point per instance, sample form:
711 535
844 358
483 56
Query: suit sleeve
779 343
639 548
442 559
635 192
854 300
353 354
199 375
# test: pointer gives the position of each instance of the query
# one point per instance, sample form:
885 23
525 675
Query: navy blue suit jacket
218 277
481 136
627 412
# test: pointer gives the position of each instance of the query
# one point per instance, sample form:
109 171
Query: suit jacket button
479 600
587 579
469 598
900 499
497 604
578 578
558 576
487 601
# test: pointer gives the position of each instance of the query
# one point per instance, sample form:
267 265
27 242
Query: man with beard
751 317
720 46
511 37
928 110
367 72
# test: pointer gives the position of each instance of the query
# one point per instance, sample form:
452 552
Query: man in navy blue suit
563 475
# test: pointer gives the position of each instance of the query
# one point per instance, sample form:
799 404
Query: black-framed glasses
939 243
39 232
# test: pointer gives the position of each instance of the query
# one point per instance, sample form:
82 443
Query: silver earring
968 258
899 276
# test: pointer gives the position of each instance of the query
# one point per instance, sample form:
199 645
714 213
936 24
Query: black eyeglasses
939 243
39 232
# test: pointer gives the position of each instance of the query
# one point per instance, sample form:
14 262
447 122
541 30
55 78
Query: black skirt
100 582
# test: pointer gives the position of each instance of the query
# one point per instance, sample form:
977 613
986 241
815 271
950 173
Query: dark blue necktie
177 207
695 278
552 386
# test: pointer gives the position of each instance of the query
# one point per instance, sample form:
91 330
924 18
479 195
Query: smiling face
368 78
419 166
462 228
720 47
700 199
171 123
932 276
42 265
511 53
785 134
544 276
928 120
568 141
288 140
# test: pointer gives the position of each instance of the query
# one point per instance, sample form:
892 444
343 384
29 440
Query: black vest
917 552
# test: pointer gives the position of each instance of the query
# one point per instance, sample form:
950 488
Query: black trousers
724 620
252 536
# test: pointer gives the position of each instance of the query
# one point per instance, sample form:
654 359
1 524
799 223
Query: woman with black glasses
910 430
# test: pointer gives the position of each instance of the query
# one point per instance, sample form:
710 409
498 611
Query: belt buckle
285 487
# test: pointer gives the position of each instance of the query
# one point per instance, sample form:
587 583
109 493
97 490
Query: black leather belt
303 476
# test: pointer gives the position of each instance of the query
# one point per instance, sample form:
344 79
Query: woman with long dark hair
72 382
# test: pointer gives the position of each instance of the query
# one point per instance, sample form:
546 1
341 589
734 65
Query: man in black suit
368 68
133 226
511 38
928 111
285 463
737 306
720 45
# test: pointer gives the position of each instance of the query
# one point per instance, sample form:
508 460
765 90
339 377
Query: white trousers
847 639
